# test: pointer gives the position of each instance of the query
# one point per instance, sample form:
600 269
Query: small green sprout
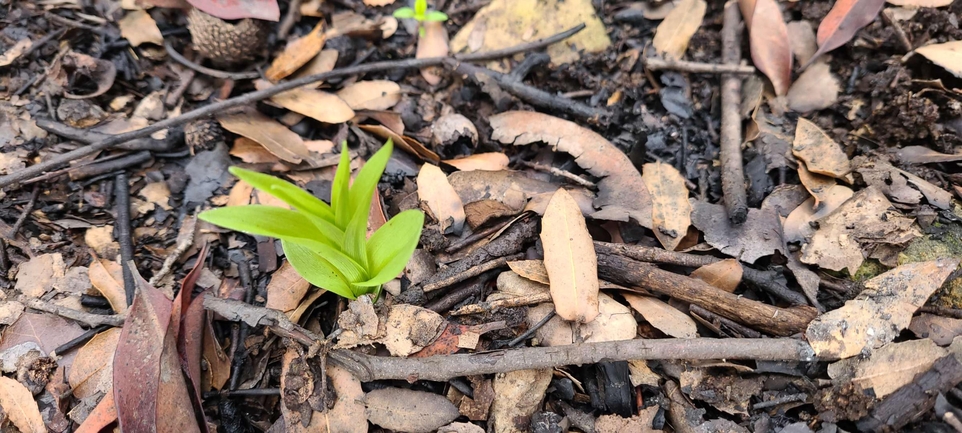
328 244
420 13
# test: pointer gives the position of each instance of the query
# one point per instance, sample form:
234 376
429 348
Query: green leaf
365 183
404 12
355 240
316 270
340 200
390 248
420 7
286 192
436 16
331 233
262 220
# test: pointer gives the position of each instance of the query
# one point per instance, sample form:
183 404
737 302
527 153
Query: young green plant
420 13
328 244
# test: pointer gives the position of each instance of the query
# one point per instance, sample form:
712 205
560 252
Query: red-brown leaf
841 23
768 39
239 9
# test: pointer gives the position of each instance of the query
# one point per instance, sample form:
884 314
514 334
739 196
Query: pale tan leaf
322 106
138 27
673 34
19 406
569 257
252 152
38 275
818 185
348 410
377 3
878 314
408 410
798 225
817 88
92 369
670 210
533 270
613 323
924 155
410 328
724 274
297 53
801 37
819 152
157 193
942 330
888 368
322 62
286 289
240 194
662 316
493 161
434 43
15 51
921 3
441 198
371 95
517 395
107 277
274 136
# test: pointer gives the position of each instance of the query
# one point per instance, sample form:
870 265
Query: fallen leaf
797 227
107 277
641 374
410 328
622 193
286 289
100 71
409 144
817 88
801 37
93 368
533 270
217 360
670 210
348 410
924 155
819 152
157 193
723 274
47 330
726 391
38 275
20 407
15 51
433 43
768 41
104 414
888 368
10 311
613 323
921 3
673 34
878 314
860 223
441 198
569 257
378 3
842 22
502 23
887 179
517 395
297 53
371 95
322 106
252 152
324 61
274 136
408 410
818 185
941 330
461 427
662 316
138 27
493 161
239 9
759 236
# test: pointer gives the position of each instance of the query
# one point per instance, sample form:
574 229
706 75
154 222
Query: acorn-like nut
203 134
225 43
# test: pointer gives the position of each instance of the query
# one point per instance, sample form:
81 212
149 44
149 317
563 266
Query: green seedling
420 13
328 244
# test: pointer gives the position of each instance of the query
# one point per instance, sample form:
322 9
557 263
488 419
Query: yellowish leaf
674 33
138 27
662 316
271 134
20 407
316 104
670 210
725 274
820 153
441 198
569 257
297 53
371 95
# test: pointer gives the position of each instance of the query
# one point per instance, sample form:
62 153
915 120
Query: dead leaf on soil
517 395
271 134
100 71
819 152
921 3
818 185
924 155
878 314
441 198
378 3
238 9
613 323
252 152
322 62
138 27
492 161
670 210
865 220
348 409
533 270
408 410
842 22
797 227
888 368
461 427
410 328
46 330
286 289
662 316
673 34
801 36
759 236
894 183
768 40
434 43
20 407
723 274
569 257
297 53
371 95
815 89
15 51
503 23
942 330
622 193
322 106
404 142
92 369
728 391
107 277
157 193
38 275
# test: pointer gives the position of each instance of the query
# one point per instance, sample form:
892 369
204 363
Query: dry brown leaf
322 106
252 152
670 209
723 274
138 27
662 316
569 257
673 34
887 179
533 270
641 423
20 407
410 328
801 36
271 134
157 193
512 284
286 289
493 161
877 315
942 330
726 391
622 193
861 222
348 412
92 369
378 3
107 277
760 235
404 142
768 40
38 275
371 95
441 198
798 225
818 185
297 53
47 330
924 155
15 51
433 43
408 410
517 395
819 152
461 427
817 88
888 368
240 194
325 61
613 323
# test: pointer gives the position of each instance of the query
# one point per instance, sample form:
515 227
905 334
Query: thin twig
524 336
490 306
42 41
80 339
205 70
899 32
25 213
293 13
791 398
252 97
114 320
656 64
560 173
733 170
71 23
124 235
471 272
182 245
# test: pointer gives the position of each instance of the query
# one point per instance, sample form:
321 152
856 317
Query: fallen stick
732 168
656 64
115 320
252 97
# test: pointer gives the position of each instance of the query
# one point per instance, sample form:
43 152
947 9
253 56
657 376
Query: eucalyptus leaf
316 270
390 248
286 192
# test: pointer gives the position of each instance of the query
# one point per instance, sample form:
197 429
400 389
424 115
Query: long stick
255 96
733 172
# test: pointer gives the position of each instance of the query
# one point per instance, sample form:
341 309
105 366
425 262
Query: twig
205 70
71 23
534 328
455 296
80 339
293 12
186 77
561 173
252 97
733 170
899 32
489 306
470 272
474 237
87 136
256 392
114 320
656 64
182 245
24 214
781 400
42 41
718 322
122 203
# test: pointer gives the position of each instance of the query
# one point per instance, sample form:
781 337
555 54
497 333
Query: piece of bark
915 399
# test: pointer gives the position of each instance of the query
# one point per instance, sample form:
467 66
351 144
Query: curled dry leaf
673 34
138 27
408 410
409 144
517 395
797 226
101 72
622 193
877 315
275 137
760 235
819 152
493 161
888 368
569 257
662 316
434 43
20 407
817 185
841 23
945 55
723 274
316 104
371 95
441 198
815 89
924 155
768 40
670 211
297 53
